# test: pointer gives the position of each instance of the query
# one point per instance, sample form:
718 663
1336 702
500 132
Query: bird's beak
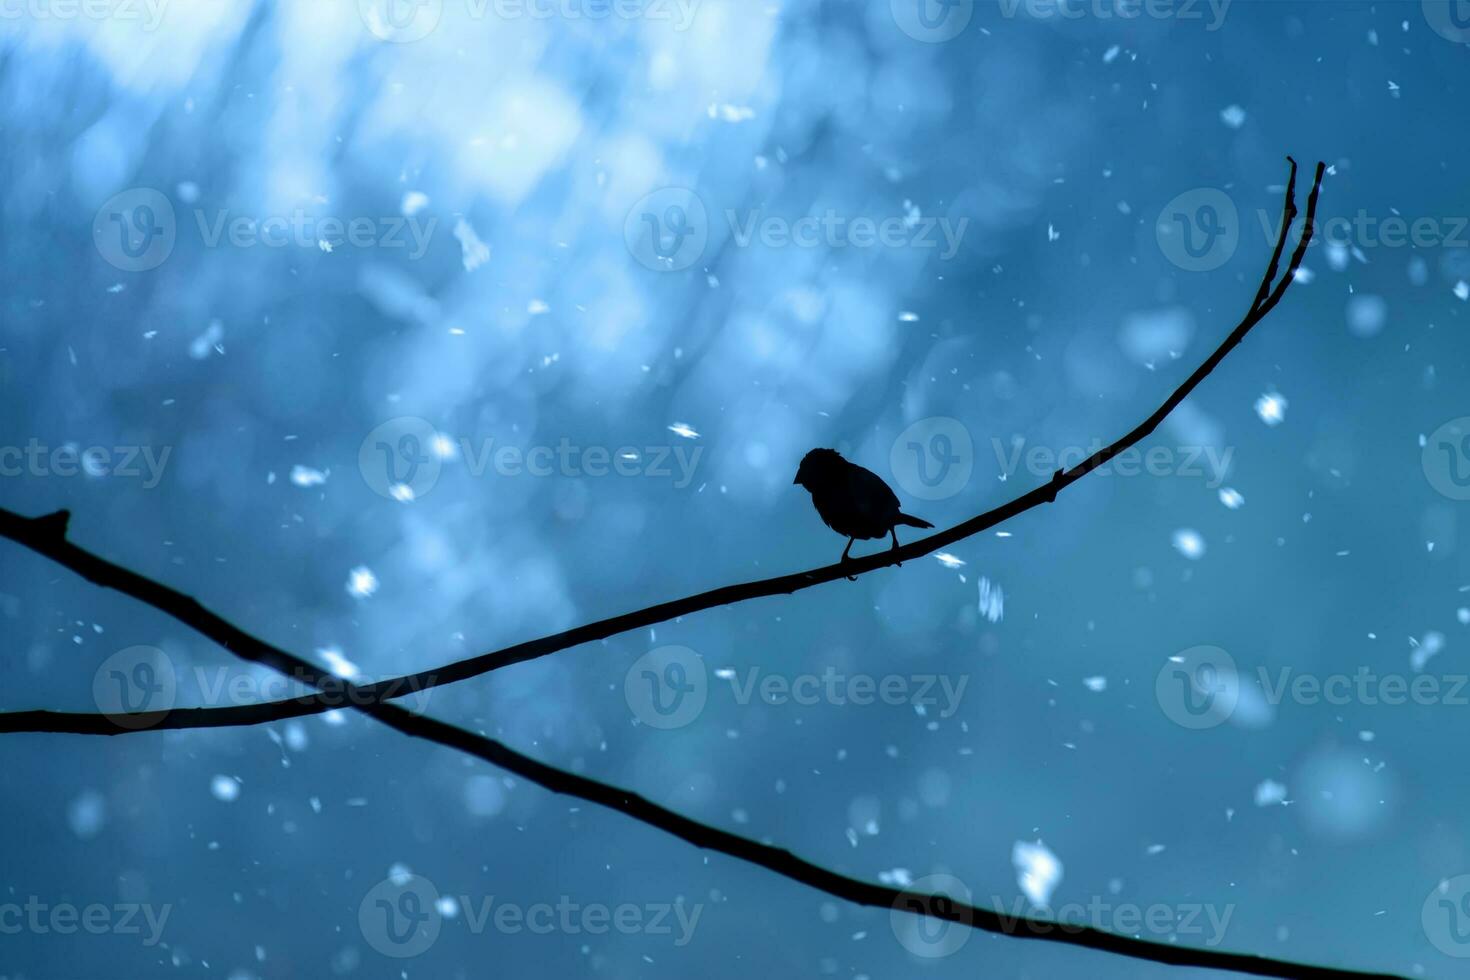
796 481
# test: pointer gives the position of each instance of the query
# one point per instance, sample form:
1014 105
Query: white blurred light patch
1038 871
226 789
1189 543
361 582
1152 336
1344 797
87 814
337 663
1366 315
1271 407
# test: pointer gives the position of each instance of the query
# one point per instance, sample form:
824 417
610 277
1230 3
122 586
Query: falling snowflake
992 601
361 582
305 476
1425 649
473 252
683 429
1038 872
337 663
948 560
1271 407
1189 543
226 789
413 203
1269 793
1230 497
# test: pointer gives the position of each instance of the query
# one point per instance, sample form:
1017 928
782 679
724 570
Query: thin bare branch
47 536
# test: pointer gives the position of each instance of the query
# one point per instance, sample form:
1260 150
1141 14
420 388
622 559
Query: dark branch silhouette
47 536
44 539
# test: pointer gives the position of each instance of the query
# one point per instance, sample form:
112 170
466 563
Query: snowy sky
401 332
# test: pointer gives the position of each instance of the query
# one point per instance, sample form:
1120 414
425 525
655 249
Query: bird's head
817 466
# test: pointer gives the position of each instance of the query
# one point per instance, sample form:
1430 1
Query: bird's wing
871 486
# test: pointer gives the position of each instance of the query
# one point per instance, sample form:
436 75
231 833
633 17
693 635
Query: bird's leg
850 578
894 531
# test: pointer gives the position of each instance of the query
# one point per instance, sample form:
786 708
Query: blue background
1063 143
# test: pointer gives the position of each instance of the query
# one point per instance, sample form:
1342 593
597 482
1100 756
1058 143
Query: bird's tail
910 520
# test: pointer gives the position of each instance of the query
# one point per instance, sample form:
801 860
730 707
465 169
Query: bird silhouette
851 500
